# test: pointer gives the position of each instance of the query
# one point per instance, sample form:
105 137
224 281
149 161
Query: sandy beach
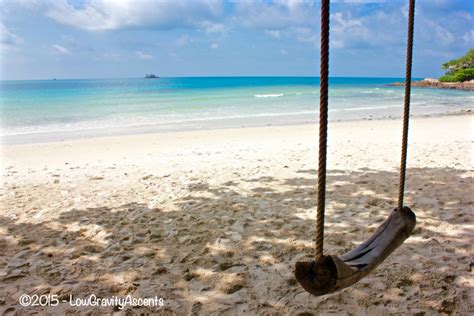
214 221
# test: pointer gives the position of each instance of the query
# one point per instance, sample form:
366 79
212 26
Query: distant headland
151 76
459 75
436 83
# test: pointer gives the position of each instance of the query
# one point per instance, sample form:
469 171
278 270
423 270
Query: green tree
460 69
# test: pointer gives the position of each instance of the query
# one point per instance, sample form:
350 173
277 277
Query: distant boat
151 76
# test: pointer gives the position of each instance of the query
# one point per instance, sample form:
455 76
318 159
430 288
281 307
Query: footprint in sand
57 274
9 312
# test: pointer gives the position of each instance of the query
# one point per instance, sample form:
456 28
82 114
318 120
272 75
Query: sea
54 110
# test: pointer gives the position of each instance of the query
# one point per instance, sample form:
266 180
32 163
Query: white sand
214 221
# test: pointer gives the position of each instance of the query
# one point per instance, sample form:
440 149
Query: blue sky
123 38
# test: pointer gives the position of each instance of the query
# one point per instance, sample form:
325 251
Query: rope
406 110
323 126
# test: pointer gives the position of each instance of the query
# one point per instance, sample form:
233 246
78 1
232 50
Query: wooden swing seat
332 273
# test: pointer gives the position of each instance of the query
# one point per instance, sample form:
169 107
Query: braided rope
323 126
406 109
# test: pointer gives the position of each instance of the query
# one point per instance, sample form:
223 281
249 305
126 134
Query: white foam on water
365 108
93 125
269 95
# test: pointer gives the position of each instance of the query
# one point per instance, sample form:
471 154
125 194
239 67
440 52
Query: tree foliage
460 69
459 75
466 61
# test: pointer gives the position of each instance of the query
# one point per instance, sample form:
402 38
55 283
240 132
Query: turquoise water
103 106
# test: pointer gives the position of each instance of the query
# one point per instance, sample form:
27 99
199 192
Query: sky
44 39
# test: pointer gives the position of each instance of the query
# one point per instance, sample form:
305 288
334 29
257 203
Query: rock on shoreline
435 83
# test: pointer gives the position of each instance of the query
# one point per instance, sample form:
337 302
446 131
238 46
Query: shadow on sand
231 249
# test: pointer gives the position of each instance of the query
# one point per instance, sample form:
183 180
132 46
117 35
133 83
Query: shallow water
90 107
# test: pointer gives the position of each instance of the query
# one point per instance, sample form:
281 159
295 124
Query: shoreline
48 137
435 84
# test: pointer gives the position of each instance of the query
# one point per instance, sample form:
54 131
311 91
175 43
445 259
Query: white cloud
360 1
437 53
442 35
143 55
283 52
214 45
276 15
69 39
306 35
346 29
273 33
109 56
8 39
60 49
183 40
468 37
438 24
211 28
102 15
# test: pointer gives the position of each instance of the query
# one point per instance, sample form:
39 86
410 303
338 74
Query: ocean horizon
48 110
210 76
